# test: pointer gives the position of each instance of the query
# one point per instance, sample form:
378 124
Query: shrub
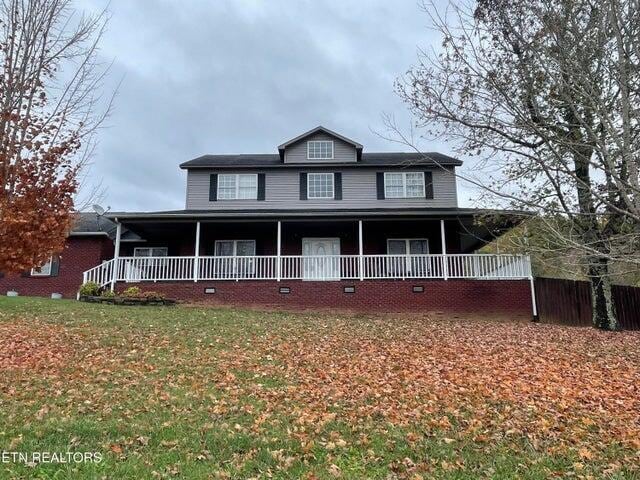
107 294
153 296
130 292
90 289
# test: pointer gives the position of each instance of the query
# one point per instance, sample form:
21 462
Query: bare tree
548 91
50 108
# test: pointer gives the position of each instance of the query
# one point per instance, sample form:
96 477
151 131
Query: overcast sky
243 76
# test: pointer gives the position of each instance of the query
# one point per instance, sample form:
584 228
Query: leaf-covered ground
192 392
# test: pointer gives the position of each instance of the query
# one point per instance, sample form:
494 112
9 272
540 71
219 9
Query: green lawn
190 392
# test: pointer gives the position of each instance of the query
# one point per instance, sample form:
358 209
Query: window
235 267
320 185
233 186
235 248
404 184
150 252
320 150
407 246
403 263
43 270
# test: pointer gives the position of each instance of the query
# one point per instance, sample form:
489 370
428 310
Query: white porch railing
296 267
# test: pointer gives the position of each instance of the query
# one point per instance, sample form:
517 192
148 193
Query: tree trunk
603 308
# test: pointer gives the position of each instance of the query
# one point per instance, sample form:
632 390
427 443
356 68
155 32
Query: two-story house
319 223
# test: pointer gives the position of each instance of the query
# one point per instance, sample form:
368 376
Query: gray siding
342 151
283 191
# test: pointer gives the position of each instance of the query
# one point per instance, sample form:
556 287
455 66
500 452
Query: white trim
237 186
40 273
317 267
309 142
333 186
404 185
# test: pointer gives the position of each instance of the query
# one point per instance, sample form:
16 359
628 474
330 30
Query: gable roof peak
317 129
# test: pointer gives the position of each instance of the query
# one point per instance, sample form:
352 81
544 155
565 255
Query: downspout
534 304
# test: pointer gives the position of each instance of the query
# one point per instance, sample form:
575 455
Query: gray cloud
241 77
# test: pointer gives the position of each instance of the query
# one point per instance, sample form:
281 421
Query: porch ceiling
472 234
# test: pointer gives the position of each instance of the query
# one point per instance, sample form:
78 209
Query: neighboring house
319 224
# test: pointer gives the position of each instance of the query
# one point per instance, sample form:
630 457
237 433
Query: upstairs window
237 186
404 185
320 185
320 150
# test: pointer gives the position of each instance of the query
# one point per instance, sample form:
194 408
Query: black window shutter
337 186
303 186
380 185
55 266
261 186
213 187
25 273
428 184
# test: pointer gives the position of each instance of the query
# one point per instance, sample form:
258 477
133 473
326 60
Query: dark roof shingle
261 160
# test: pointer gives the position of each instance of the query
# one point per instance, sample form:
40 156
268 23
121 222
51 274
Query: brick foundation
465 296
79 254
486 296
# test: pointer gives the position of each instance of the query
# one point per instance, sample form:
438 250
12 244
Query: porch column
360 251
116 255
443 241
278 247
196 254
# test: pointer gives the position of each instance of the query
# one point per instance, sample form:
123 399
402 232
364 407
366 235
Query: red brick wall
80 254
486 296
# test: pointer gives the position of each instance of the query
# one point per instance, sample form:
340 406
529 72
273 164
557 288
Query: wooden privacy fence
568 302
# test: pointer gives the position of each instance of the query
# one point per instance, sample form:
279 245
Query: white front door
323 262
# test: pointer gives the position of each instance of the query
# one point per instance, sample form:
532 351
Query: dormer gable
320 145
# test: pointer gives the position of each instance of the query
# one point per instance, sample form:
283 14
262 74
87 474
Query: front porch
368 264
318 250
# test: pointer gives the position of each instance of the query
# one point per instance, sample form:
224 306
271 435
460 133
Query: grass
189 392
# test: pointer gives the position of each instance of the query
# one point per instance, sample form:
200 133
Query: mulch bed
128 300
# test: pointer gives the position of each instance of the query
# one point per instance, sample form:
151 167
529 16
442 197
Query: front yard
218 393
